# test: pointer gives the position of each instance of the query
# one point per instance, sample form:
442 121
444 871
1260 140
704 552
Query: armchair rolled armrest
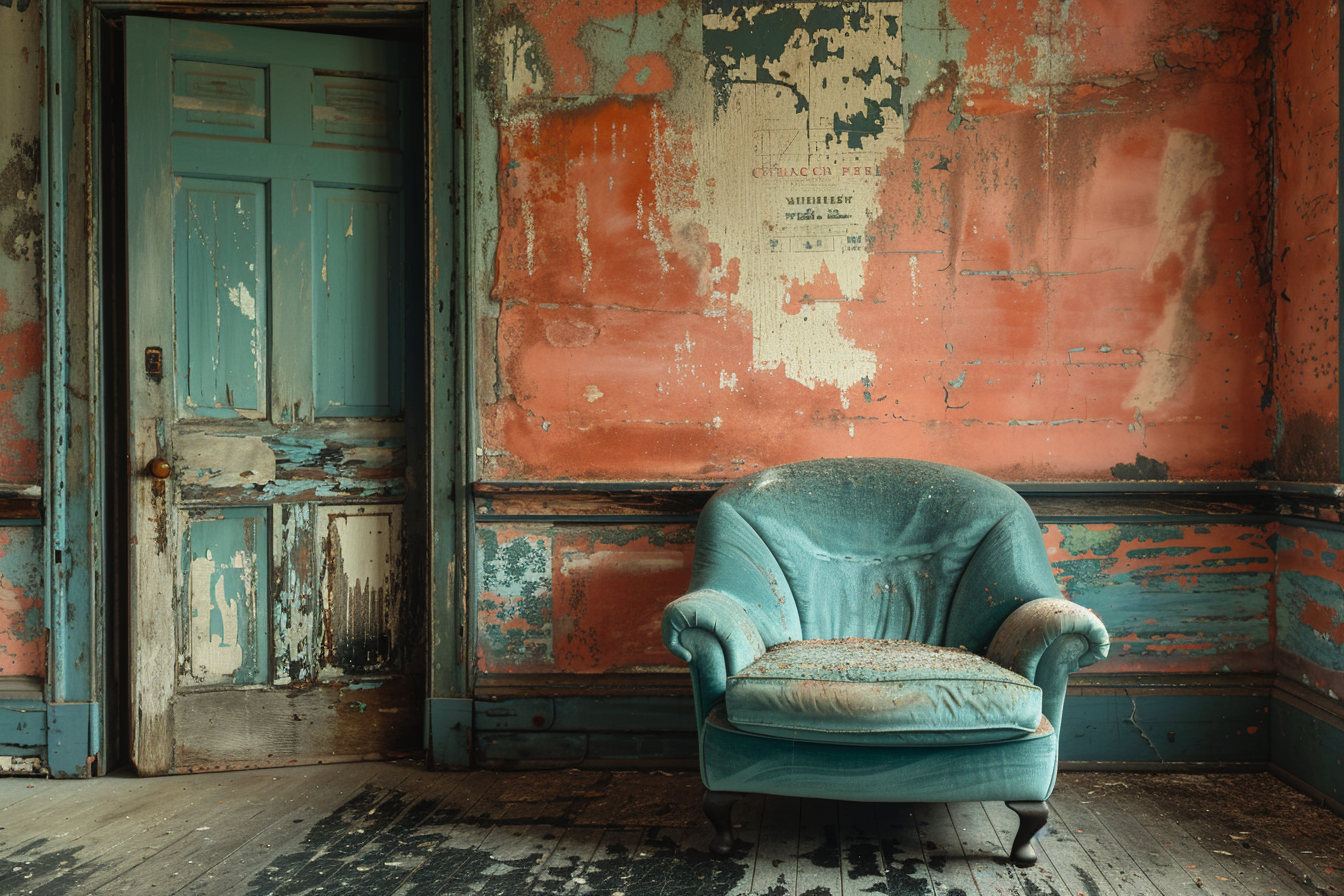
1045 640
714 634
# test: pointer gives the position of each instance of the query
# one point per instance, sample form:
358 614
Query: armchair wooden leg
718 807
1032 817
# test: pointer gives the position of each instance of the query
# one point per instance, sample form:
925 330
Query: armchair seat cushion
900 693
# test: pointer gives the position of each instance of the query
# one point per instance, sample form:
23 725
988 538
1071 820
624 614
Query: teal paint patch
70 739
357 304
1172 602
1162 728
1303 597
1105 541
23 608
23 727
514 604
226 566
448 731
220 270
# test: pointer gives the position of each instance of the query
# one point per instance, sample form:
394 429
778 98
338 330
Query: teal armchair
879 630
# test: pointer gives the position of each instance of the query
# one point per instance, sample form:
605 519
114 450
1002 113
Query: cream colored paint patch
215 657
224 461
1172 349
791 199
633 562
520 79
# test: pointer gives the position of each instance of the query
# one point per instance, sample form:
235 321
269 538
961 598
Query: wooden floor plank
903 856
394 828
1110 857
1201 841
573 851
448 840
1041 878
1074 868
952 872
863 867
984 851
159 812
1140 852
819 847
288 839
221 824
775 871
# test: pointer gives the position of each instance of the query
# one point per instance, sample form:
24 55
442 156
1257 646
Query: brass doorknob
159 468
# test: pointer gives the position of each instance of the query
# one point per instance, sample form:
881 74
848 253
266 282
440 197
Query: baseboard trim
1317 795
1166 768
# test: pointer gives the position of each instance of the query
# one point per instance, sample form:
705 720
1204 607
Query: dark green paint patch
1143 468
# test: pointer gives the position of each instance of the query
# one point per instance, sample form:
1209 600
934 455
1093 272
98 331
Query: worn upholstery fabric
732 759
896 692
875 549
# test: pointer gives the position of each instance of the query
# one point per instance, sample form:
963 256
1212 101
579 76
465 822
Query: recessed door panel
226 572
356 330
219 263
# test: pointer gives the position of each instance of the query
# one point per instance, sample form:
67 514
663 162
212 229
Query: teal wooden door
271 613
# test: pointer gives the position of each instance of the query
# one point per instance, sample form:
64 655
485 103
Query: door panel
220 280
272 621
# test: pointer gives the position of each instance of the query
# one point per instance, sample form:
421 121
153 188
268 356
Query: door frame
76 517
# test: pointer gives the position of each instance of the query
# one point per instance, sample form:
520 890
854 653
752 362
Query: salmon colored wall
20 247
1058 260
23 638
22 634
1306 240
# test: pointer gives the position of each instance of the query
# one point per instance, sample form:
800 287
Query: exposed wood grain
1135 844
375 829
952 872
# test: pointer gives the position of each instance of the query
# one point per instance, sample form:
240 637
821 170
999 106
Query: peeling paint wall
1306 241
20 248
1175 598
1310 609
22 632
1031 240
558 598
577 598
23 638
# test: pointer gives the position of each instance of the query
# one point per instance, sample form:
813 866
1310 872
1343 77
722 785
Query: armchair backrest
873 548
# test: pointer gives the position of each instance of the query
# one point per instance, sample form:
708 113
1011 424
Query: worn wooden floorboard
908 872
286 832
140 821
1116 866
206 832
819 847
987 857
1129 844
862 864
952 873
1043 878
1075 869
394 829
1225 813
776 867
